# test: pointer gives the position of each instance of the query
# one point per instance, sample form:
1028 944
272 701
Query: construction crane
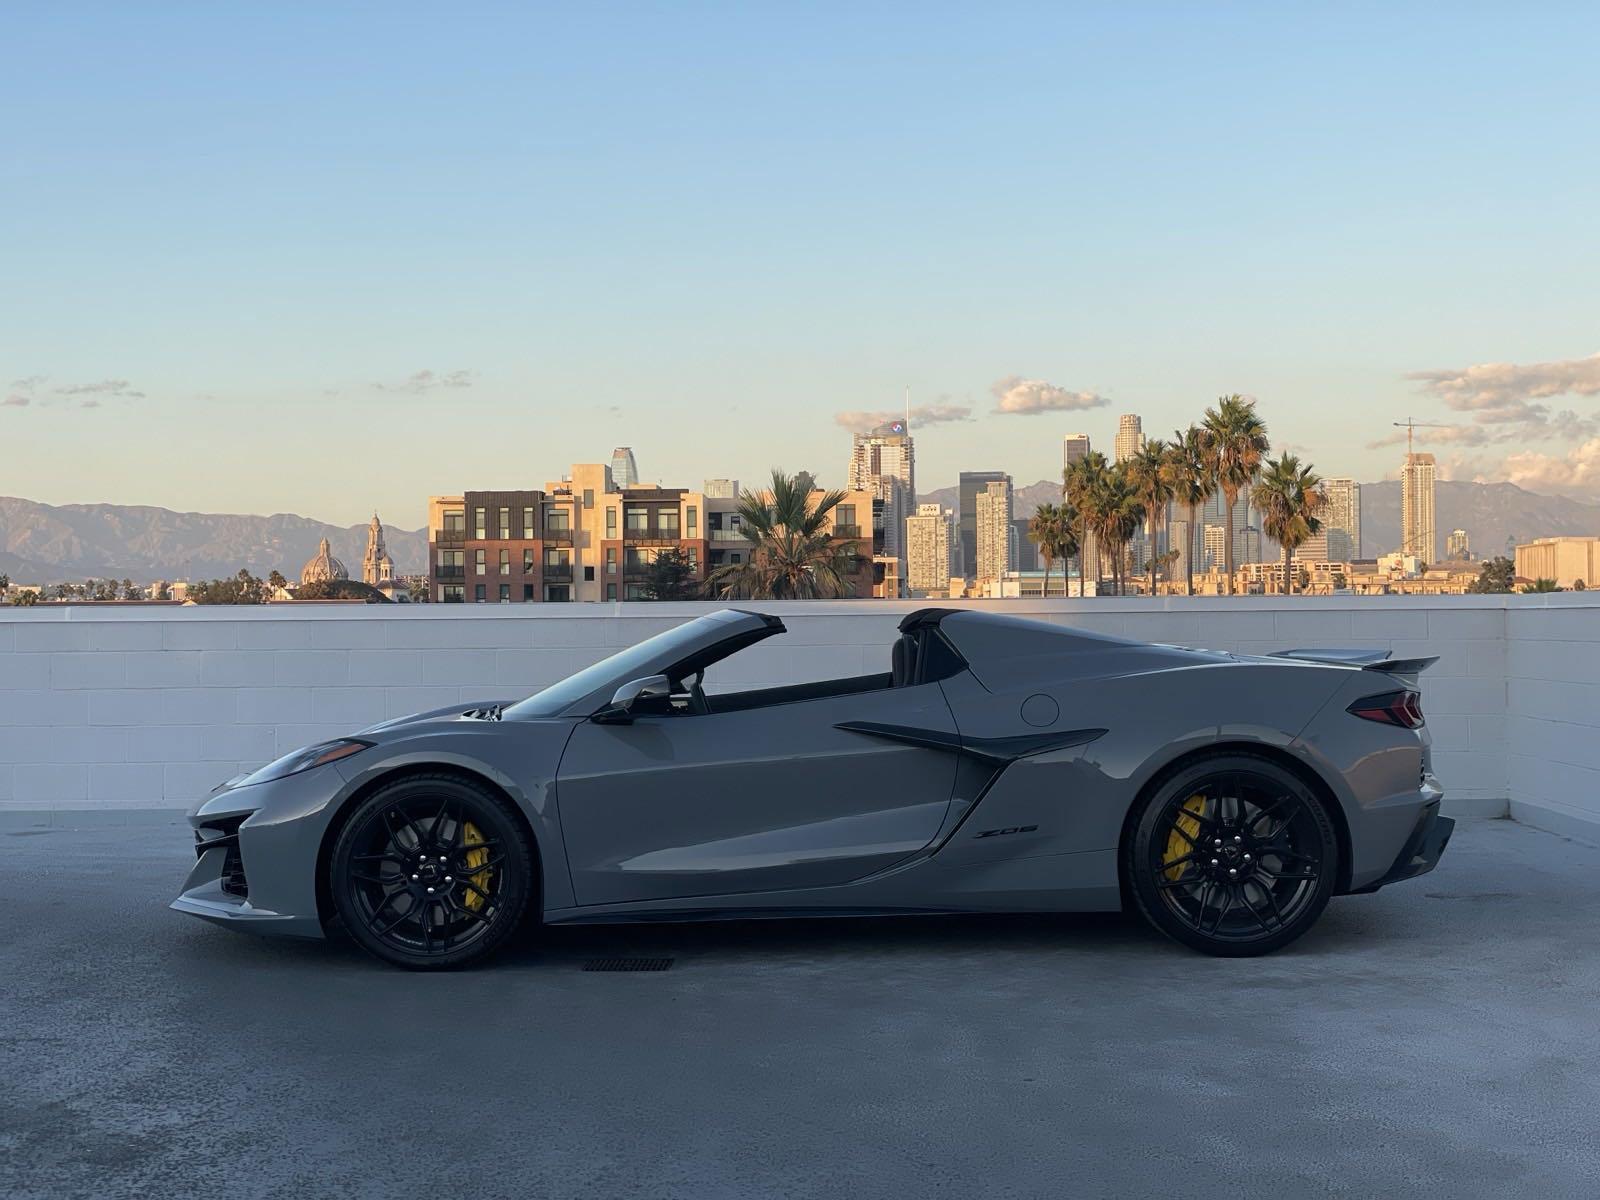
1408 425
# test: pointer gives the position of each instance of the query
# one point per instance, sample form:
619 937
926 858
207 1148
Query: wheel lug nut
430 891
1247 858
447 879
1213 863
1238 839
1231 871
414 879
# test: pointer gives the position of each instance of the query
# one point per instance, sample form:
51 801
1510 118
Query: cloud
1575 472
1023 397
419 382
922 415
16 400
106 387
28 383
1510 386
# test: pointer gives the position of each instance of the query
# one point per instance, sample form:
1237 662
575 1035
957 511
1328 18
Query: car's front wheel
1232 855
431 871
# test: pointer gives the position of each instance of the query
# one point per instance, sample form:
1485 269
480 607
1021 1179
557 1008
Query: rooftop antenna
908 408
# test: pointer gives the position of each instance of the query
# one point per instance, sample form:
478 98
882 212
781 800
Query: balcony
557 537
557 573
727 537
449 537
653 536
847 531
449 574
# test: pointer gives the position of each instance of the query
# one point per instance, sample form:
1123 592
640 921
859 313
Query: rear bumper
1422 850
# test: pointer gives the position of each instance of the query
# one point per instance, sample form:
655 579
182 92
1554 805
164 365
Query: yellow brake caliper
1183 838
475 859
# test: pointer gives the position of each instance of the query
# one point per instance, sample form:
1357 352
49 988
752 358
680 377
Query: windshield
622 666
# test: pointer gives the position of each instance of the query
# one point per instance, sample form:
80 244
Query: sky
326 258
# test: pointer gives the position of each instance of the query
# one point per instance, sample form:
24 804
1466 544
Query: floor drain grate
628 964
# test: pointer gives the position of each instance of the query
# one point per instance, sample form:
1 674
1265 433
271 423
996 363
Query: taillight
1391 708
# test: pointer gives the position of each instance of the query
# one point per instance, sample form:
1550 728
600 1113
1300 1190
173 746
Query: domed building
323 568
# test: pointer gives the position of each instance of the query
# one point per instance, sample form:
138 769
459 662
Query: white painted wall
104 707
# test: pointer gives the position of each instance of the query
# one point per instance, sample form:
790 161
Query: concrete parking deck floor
1439 1039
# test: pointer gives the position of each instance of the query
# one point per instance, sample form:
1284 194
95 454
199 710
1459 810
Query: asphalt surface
1439 1039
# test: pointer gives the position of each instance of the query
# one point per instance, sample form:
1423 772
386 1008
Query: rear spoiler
1367 660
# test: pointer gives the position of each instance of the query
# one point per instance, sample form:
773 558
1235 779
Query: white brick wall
1552 719
106 707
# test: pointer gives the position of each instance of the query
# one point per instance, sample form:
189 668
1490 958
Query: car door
752 800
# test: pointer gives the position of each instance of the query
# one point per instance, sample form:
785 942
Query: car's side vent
628 964
489 712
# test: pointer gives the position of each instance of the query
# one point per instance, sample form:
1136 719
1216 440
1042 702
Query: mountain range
1495 515
47 543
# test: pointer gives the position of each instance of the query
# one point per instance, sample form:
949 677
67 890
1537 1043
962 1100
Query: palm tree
1080 486
1051 529
1192 486
1117 515
1150 476
1289 497
1235 442
793 554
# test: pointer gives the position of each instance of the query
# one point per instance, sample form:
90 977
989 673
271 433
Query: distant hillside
50 543
1491 513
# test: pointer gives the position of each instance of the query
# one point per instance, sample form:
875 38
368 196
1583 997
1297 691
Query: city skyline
290 290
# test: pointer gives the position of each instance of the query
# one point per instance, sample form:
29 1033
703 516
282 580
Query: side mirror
620 710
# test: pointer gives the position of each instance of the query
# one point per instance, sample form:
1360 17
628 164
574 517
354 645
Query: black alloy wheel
431 872
1233 855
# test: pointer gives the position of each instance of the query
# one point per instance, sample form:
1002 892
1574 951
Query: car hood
479 710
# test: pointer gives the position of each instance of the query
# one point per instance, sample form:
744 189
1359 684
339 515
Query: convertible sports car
1001 765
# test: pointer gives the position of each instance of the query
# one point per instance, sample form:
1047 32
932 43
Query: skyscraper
970 484
1457 546
1130 437
1342 515
1418 535
1074 448
624 471
928 538
884 462
993 531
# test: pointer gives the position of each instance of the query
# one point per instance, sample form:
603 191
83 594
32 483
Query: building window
527 562
588 497
611 560
667 522
527 593
611 522
505 524
453 593
558 558
734 557
844 514
455 521
527 524
505 562
588 574
477 561
478 593
505 593
635 591
477 522
611 591
557 520
637 519
557 593
694 521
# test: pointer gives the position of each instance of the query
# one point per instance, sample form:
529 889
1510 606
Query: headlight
307 757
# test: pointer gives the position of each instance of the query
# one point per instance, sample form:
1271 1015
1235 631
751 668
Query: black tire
432 872
1232 855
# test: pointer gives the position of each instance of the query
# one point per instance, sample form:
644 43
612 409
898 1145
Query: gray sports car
1001 765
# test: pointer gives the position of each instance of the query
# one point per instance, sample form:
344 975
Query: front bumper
1422 850
256 854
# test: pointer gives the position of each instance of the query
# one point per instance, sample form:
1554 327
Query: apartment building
579 538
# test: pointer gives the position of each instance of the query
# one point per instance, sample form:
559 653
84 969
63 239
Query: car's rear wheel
431 871
1232 855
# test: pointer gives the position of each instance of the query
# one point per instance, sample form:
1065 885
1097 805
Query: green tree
332 589
793 554
243 588
417 589
1192 486
1080 485
276 581
1150 475
1234 441
1495 577
1289 498
5 585
25 599
671 576
1117 516
1052 528
1541 585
